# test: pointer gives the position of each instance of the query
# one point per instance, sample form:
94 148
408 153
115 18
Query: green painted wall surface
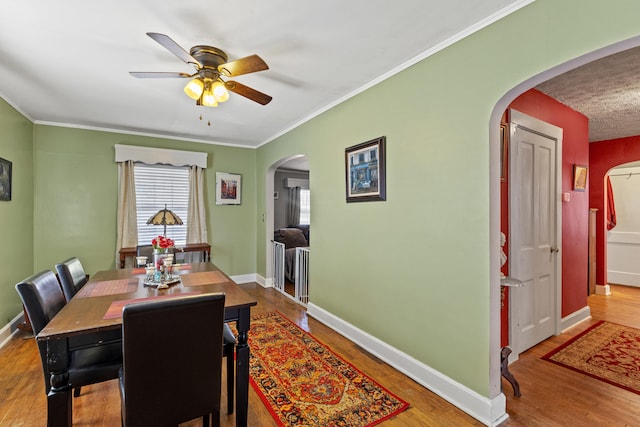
414 271
76 184
16 216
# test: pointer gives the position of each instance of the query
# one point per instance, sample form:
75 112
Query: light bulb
208 100
194 88
219 91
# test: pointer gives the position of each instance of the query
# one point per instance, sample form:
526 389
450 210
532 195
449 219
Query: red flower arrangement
162 243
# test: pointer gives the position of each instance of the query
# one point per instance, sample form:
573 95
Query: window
305 206
157 185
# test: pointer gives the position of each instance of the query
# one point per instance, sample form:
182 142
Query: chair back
172 356
72 276
42 298
145 250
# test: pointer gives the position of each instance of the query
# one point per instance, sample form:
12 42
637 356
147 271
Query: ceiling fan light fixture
219 91
208 98
194 88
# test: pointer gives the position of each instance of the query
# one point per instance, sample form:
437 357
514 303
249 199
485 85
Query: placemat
203 278
108 287
115 309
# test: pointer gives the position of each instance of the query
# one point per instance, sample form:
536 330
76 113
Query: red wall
575 213
605 155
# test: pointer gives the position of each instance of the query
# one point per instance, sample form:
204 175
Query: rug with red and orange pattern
303 382
606 351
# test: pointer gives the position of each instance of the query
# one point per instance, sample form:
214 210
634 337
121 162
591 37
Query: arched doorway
287 177
495 189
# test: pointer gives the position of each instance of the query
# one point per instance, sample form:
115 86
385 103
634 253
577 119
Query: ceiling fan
206 85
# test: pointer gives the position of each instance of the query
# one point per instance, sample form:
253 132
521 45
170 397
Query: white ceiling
67 63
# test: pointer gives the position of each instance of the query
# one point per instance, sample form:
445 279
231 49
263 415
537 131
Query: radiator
302 275
278 266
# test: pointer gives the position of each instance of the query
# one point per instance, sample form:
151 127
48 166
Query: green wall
414 271
76 184
16 216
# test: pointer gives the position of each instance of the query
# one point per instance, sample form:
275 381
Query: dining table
98 307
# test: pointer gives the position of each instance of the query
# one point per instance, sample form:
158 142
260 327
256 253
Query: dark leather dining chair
72 276
172 356
145 250
92 359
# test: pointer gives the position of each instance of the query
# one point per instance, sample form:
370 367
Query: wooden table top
87 309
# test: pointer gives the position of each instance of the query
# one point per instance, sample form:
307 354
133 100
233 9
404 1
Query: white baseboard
244 278
603 290
575 318
265 283
624 278
490 412
10 328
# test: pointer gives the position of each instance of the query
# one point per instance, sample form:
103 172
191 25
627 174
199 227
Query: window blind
157 185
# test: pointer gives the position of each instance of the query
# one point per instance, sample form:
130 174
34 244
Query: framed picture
579 178
504 151
5 180
228 188
365 171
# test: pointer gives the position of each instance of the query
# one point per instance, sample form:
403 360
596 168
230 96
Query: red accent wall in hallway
605 155
575 213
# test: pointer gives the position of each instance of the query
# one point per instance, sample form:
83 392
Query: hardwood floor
551 395
557 396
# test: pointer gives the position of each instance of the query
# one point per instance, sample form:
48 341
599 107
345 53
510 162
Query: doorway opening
495 141
288 227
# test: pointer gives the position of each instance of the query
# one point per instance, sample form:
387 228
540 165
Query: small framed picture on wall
228 188
365 171
5 180
579 177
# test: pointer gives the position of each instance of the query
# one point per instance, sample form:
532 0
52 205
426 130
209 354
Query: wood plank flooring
551 395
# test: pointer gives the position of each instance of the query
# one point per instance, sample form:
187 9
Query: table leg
504 370
242 368
59 411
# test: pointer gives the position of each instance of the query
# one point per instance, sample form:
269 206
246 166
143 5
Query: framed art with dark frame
5 179
579 177
365 171
504 151
228 188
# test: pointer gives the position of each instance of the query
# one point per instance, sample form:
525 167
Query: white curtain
293 206
127 219
196 212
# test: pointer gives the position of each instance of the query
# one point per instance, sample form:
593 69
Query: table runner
108 287
203 278
115 309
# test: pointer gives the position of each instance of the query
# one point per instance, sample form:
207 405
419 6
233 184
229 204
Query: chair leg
205 420
230 381
76 391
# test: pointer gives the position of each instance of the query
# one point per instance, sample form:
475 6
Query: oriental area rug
606 351
303 383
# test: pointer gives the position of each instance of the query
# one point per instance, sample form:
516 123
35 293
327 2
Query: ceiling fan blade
247 92
173 47
159 75
246 65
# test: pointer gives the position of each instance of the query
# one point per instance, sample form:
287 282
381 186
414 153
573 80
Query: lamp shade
164 217
219 91
194 88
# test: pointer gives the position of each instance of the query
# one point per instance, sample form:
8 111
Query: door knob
553 249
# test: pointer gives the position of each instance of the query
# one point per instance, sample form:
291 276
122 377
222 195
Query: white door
534 230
